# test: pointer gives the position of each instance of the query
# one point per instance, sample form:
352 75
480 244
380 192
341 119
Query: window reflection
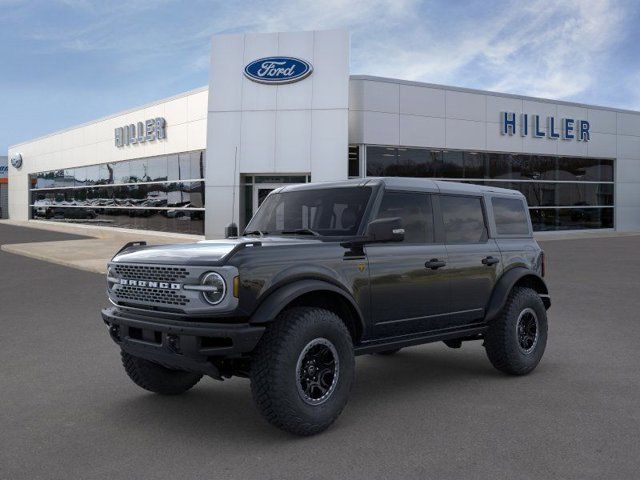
181 221
545 180
131 194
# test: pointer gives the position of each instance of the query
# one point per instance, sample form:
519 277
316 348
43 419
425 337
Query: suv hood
206 252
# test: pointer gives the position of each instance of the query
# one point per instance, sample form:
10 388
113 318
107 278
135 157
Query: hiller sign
147 131
525 124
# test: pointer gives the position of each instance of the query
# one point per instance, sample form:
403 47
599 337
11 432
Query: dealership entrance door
260 192
255 189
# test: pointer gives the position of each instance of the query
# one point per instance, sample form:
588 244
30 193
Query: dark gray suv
324 272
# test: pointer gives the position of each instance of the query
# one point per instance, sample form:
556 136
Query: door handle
435 264
488 261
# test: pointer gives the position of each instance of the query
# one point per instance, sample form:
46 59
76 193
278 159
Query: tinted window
415 211
463 219
510 216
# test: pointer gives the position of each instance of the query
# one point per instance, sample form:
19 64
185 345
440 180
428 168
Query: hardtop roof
423 184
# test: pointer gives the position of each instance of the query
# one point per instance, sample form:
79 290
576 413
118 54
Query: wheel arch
312 293
515 277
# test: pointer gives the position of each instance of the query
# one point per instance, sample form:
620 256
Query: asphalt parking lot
67 409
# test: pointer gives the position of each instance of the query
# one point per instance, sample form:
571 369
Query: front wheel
515 342
156 378
302 370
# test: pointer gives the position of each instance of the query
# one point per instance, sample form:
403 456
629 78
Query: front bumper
180 344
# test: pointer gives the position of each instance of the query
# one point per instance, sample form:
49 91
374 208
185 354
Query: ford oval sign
278 70
16 160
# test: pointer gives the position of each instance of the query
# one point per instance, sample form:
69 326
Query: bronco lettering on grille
149 284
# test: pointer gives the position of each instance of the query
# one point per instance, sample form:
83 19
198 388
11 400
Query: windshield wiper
260 233
301 231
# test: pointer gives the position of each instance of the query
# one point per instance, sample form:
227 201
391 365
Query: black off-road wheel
515 341
156 378
302 370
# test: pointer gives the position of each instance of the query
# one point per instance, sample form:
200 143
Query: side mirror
231 231
385 230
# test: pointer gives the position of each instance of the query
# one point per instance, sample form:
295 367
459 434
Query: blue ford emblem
278 70
16 160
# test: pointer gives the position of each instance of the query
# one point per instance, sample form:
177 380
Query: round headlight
110 277
216 288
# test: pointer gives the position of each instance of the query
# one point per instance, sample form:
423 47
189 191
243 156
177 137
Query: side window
463 219
511 218
415 211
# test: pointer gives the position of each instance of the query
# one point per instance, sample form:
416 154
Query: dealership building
282 108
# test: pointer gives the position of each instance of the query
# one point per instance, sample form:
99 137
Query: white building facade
282 108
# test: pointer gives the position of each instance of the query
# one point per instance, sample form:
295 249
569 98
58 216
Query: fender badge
362 266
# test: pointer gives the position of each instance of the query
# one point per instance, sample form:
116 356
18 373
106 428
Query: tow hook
173 343
114 331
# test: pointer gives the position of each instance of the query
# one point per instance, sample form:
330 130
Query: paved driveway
67 409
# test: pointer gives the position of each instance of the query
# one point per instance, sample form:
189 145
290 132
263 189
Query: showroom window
563 193
163 193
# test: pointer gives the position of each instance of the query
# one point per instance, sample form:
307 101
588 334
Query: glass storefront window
138 171
121 172
131 194
571 218
173 167
157 169
354 161
453 164
571 185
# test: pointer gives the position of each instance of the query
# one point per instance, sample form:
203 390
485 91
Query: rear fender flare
505 284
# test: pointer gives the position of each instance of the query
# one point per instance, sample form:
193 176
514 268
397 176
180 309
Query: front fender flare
273 304
505 284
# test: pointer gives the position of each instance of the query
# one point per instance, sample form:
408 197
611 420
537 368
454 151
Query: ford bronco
325 272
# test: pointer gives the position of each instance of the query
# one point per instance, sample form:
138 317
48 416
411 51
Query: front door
409 283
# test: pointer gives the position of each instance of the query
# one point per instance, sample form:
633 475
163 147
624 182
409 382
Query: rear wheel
156 378
302 370
515 342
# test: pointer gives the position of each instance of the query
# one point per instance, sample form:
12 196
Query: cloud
561 51
115 54
543 49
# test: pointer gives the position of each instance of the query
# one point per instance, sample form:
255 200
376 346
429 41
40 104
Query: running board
419 338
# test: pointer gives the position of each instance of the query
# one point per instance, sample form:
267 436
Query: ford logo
16 160
278 70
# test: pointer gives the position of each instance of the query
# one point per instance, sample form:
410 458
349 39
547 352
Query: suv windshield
321 211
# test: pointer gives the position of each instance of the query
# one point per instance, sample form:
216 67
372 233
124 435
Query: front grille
151 273
151 295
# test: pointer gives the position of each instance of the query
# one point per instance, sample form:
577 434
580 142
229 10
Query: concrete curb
104 233
90 253
92 265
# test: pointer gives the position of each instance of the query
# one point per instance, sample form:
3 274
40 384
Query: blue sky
65 62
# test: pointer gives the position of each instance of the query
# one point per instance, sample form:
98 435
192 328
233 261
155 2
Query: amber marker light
236 286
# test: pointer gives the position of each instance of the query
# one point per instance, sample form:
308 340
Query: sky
66 62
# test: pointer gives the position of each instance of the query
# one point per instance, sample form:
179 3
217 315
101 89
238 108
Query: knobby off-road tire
300 341
156 378
515 341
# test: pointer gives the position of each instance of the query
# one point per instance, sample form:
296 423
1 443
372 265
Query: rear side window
463 219
510 215
415 211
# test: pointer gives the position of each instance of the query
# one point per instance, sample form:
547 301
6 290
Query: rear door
408 281
474 258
